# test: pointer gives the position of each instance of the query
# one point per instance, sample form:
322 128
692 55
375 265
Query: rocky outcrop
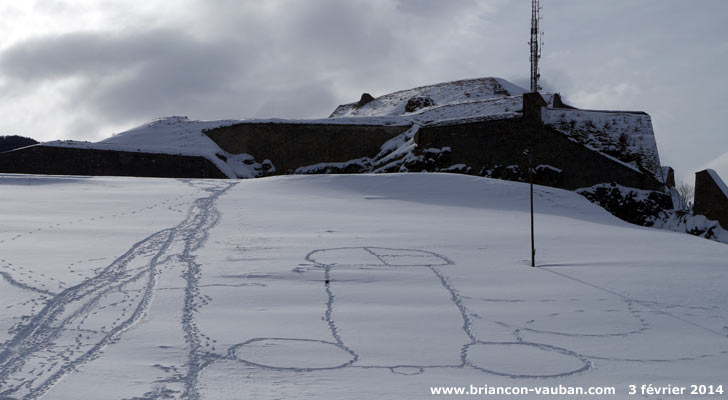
418 102
641 207
653 209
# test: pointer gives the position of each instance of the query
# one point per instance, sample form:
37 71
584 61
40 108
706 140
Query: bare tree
685 192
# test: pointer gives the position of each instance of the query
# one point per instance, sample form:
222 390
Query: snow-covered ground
343 287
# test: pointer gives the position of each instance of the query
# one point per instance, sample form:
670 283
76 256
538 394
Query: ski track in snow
101 217
29 279
31 362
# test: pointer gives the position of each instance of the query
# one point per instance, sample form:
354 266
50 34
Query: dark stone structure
495 148
51 160
532 105
484 147
711 198
490 146
365 99
558 103
289 146
669 176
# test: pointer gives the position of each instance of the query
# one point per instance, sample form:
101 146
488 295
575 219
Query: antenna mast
535 44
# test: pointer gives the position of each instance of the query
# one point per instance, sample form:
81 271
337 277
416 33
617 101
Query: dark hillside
13 142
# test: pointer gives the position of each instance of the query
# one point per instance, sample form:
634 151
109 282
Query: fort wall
496 148
75 161
711 197
289 146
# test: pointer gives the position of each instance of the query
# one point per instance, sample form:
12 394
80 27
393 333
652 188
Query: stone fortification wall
496 148
711 197
289 146
73 161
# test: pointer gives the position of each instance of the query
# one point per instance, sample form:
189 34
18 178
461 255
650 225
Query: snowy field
343 287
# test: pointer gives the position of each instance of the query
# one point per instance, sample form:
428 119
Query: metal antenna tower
535 44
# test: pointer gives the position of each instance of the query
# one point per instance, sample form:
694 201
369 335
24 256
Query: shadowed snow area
343 286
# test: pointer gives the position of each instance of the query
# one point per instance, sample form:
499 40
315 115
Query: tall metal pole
530 178
535 42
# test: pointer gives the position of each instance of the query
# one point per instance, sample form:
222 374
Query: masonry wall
485 148
69 161
289 146
495 148
710 200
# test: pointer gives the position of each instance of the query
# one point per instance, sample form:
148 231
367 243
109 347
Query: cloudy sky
85 69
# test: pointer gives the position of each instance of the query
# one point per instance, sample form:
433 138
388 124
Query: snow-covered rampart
624 136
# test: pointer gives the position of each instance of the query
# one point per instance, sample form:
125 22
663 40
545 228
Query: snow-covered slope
625 136
172 135
462 99
346 286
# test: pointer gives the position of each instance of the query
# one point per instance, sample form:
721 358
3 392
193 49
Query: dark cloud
128 76
277 59
84 53
435 8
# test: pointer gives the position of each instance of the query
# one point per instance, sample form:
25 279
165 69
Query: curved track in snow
78 323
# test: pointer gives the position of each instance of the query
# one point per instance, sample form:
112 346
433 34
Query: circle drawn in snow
525 359
293 354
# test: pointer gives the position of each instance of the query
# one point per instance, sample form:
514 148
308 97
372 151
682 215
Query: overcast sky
85 69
